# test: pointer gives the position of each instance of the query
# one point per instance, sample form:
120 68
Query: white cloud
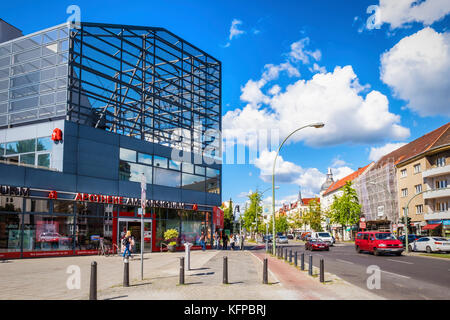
334 98
309 179
299 53
400 13
377 153
234 29
317 68
417 68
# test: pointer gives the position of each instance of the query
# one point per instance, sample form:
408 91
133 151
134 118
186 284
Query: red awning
431 226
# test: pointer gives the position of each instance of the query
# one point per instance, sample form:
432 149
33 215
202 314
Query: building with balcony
88 111
423 178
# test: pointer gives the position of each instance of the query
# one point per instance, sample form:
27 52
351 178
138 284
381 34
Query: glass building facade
126 98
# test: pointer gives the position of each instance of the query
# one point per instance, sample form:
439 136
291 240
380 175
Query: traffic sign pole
142 211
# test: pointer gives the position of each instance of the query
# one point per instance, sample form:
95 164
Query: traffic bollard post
322 271
265 273
302 258
126 273
93 284
225 270
290 256
182 270
310 265
295 259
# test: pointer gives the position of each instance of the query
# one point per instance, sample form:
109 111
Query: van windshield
324 234
385 236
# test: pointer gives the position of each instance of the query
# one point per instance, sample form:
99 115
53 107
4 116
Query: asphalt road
402 277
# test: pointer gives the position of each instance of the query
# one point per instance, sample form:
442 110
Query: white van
324 236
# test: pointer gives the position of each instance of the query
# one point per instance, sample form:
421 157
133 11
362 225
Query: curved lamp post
314 125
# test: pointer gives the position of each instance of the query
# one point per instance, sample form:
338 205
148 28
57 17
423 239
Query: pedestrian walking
202 241
225 241
126 242
232 241
242 242
216 240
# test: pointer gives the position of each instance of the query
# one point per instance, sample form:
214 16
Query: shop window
48 232
193 182
127 155
10 232
167 178
11 204
37 205
61 206
89 231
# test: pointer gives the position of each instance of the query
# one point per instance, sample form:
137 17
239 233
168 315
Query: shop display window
10 232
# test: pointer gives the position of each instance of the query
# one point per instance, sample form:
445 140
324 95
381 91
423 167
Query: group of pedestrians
221 242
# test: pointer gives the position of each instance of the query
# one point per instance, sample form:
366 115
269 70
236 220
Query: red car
316 244
378 243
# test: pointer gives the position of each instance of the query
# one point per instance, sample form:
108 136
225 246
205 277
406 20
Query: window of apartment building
417 168
404 211
405 192
419 209
32 152
440 162
442 206
418 188
403 173
440 184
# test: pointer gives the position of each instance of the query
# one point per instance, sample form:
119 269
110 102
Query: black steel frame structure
146 83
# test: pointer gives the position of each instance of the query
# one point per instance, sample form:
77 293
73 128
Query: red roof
433 139
307 200
340 183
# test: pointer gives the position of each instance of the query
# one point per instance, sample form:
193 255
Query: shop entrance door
134 225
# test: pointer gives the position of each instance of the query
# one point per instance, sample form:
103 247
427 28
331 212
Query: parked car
268 238
430 244
324 236
298 236
411 238
378 243
290 236
304 235
282 239
316 244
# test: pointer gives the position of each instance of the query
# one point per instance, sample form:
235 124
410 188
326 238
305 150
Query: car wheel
376 252
358 249
428 249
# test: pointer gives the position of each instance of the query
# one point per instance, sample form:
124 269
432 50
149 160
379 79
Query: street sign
380 210
362 219
362 225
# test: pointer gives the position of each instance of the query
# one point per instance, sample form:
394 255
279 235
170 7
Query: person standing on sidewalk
216 240
232 241
225 241
126 241
202 241
242 242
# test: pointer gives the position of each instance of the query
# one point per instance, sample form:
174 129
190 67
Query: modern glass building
85 112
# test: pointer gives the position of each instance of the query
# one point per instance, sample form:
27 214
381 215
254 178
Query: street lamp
314 125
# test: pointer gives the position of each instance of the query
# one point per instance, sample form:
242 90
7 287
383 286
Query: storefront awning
431 226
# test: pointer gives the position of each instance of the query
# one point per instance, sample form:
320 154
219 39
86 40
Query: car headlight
400 246
382 245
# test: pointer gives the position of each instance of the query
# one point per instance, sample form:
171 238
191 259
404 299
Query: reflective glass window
127 155
188 167
25 68
200 170
27 158
26 79
144 158
175 165
160 162
44 144
212 172
21 146
132 172
28 55
193 182
44 160
10 228
24 104
168 178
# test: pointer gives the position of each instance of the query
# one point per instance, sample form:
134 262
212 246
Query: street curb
422 256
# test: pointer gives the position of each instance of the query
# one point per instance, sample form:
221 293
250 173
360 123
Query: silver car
282 239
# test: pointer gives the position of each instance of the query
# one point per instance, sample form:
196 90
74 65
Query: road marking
395 274
344 261
400 261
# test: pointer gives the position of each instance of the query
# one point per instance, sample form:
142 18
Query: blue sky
410 100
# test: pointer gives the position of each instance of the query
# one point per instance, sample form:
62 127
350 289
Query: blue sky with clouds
290 63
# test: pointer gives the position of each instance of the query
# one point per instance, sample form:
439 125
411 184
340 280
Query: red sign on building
218 217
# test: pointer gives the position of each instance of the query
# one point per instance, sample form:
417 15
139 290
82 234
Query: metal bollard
182 270
93 285
302 258
285 254
290 256
295 259
310 265
225 270
265 273
126 273
322 273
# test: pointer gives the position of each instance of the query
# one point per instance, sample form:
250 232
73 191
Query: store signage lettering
87 197
14 191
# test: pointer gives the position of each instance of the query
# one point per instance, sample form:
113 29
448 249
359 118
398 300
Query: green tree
346 209
253 211
281 224
228 216
296 221
313 216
